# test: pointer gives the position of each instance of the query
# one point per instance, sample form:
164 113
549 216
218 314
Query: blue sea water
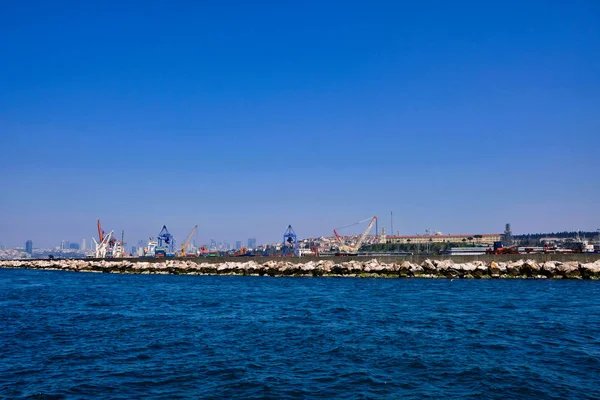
80 335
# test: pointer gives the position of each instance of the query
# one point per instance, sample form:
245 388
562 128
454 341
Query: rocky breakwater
352 268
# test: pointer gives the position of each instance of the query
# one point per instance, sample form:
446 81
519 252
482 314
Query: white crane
352 249
103 245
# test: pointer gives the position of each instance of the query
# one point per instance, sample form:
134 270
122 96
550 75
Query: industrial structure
108 246
119 247
103 247
364 243
290 243
352 248
438 237
185 244
166 243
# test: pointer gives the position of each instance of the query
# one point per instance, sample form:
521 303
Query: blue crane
165 239
290 243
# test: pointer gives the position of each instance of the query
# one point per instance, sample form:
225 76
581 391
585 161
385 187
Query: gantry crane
290 243
185 244
352 249
166 243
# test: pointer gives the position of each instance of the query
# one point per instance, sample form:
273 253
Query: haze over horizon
245 118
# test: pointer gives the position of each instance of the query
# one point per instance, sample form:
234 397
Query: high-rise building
29 247
238 244
83 245
73 246
251 243
213 244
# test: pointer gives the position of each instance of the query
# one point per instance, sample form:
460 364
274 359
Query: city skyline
236 244
458 117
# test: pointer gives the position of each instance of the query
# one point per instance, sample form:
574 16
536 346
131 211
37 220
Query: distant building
64 244
251 243
73 246
134 250
83 247
29 247
507 237
238 244
476 239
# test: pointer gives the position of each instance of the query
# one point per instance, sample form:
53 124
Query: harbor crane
353 248
185 244
290 243
112 240
103 245
166 243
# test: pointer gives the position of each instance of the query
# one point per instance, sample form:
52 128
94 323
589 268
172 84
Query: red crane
112 240
100 233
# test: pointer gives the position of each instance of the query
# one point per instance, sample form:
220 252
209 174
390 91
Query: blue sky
244 117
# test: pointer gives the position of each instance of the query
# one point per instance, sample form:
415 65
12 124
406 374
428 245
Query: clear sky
246 116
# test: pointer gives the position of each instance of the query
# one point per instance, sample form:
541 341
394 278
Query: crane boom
185 244
365 233
353 248
100 232
108 238
338 237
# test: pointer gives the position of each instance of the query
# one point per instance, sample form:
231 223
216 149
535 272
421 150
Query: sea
88 335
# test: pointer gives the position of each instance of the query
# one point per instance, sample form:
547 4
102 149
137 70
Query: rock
352 266
549 267
405 266
416 269
373 267
428 266
529 268
465 267
514 267
444 265
309 266
495 269
569 269
325 265
590 270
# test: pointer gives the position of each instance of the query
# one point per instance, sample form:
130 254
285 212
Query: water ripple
67 335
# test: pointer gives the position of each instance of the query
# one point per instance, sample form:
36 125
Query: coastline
368 267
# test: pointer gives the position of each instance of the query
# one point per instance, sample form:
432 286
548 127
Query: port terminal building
481 239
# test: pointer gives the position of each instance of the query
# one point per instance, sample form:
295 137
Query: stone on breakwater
590 270
570 269
496 269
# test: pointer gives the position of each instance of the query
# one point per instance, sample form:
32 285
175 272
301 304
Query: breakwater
585 268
